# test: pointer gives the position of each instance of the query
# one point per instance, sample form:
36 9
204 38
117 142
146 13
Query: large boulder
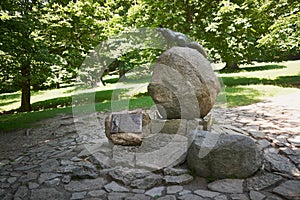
224 155
183 84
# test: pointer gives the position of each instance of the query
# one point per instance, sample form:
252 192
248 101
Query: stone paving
55 162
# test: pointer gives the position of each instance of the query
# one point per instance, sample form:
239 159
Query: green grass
246 95
26 120
249 85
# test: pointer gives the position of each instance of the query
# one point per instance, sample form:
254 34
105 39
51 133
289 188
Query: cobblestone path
55 162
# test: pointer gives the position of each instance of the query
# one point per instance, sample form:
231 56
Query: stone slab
126 123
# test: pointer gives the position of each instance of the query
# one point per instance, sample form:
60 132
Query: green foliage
284 34
24 56
43 43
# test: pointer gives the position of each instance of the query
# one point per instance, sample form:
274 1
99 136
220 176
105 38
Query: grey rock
127 175
53 182
292 153
47 194
32 185
181 179
167 197
262 181
162 150
4 162
28 177
2 180
257 134
11 180
137 178
169 126
138 191
21 193
223 156
16 174
191 197
76 159
7 196
85 170
174 189
66 162
115 187
80 170
4 185
147 182
206 193
96 193
78 195
279 163
155 192
118 196
25 168
183 192
67 169
66 179
47 176
254 195
49 165
239 197
183 84
103 160
264 143
295 140
289 189
124 156
156 152
138 197
221 197
77 186
227 186
273 197
174 171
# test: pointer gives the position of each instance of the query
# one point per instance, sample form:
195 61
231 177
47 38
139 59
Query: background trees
25 56
283 33
43 43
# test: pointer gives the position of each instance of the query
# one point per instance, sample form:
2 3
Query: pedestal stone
127 128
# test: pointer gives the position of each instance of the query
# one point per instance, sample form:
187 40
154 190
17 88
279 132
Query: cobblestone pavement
54 162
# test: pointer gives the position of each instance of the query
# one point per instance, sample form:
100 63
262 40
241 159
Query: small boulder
128 138
224 155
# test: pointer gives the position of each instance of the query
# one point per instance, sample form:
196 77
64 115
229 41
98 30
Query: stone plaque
126 123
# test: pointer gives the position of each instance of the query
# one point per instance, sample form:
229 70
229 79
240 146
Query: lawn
251 84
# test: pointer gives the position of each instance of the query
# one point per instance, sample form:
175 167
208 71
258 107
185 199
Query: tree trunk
231 66
57 85
122 73
188 16
25 101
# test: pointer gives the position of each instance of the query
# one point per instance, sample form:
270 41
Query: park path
52 161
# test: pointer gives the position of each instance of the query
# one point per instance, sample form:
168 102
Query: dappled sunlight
272 71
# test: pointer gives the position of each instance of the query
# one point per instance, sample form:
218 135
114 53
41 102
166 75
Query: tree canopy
43 43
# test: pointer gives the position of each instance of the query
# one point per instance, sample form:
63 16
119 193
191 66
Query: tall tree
283 32
25 54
